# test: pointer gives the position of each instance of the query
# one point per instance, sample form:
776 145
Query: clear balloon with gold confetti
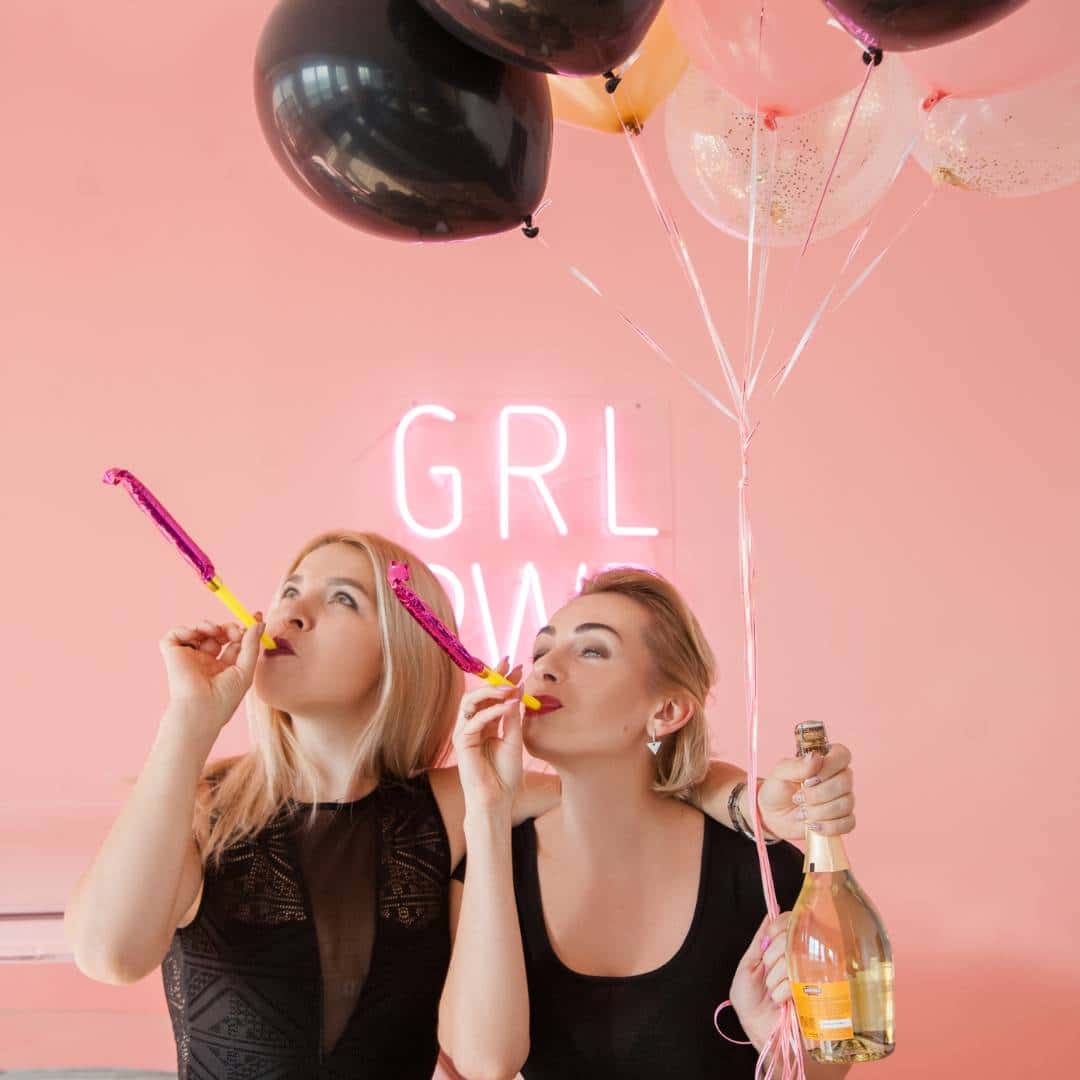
1024 142
710 142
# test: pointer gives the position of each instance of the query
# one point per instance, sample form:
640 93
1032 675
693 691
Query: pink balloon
1033 43
806 57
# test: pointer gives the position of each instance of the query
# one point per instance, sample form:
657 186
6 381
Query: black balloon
561 37
390 124
904 25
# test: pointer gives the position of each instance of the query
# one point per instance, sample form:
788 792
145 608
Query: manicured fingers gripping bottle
839 957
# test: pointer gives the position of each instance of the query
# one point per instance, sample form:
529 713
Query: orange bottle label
824 1010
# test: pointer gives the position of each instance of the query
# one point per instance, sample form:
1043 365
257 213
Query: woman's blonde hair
682 660
410 730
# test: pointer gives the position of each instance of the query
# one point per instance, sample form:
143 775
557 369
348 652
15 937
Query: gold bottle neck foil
824 854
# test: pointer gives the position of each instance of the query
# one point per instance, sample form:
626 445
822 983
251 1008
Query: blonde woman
597 940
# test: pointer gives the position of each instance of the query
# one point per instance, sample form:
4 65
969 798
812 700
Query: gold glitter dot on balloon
945 175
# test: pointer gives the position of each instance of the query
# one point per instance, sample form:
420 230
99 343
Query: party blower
185 545
445 638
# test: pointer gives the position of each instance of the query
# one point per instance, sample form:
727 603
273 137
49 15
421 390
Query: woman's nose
545 669
293 615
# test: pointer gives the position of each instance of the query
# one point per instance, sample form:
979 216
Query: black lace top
320 949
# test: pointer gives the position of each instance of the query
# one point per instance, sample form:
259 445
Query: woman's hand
811 790
210 667
761 985
490 764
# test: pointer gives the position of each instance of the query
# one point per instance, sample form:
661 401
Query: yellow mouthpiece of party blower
222 592
496 679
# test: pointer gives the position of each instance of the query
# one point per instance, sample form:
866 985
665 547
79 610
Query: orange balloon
647 77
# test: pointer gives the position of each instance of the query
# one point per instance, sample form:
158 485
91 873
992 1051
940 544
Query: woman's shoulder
217 770
210 801
743 849
533 832
445 785
413 792
735 857
411 815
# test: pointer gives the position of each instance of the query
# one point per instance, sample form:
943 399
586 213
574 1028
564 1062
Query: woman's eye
537 656
593 650
287 591
346 597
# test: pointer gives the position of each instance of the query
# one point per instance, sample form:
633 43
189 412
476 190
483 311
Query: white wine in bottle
839 957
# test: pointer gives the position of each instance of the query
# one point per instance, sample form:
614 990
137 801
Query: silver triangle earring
654 745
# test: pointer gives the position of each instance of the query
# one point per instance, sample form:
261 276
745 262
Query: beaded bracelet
738 821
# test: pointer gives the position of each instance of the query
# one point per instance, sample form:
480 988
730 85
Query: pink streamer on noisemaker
161 517
398 576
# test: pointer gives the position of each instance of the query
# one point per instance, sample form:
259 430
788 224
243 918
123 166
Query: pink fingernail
812 781
765 943
815 826
798 798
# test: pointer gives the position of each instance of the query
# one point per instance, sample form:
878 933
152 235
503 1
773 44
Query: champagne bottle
839 957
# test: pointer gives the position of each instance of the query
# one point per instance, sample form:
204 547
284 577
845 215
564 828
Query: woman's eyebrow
582 629
597 626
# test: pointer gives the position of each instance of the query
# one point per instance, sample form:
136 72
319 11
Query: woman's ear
673 712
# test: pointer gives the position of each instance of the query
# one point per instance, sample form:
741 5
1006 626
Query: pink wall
170 304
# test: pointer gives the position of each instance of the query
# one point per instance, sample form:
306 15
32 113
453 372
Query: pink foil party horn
398 576
187 547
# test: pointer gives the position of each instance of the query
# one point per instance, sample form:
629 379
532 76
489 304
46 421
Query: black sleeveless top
659 1023
320 949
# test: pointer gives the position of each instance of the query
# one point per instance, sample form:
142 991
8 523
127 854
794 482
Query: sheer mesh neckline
339 857
332 805
343 805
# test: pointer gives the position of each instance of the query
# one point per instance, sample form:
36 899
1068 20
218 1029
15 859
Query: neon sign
544 500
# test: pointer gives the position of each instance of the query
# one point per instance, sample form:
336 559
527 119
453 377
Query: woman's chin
533 747
270 692
539 744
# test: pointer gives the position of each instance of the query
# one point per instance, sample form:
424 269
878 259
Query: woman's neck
610 807
329 743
